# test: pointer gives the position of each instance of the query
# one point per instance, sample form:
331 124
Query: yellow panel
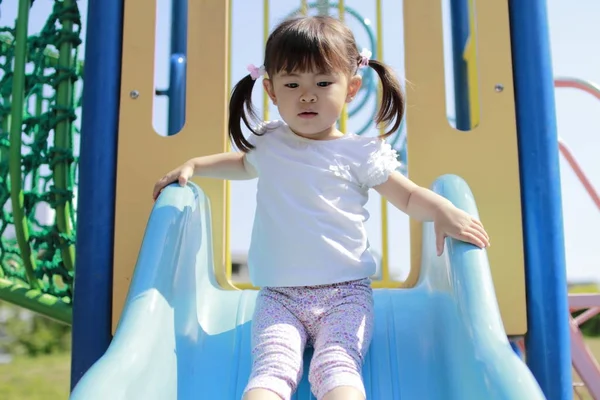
143 155
485 157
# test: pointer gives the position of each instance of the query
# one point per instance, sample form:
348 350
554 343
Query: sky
573 27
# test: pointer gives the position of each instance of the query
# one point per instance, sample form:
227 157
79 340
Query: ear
268 85
354 85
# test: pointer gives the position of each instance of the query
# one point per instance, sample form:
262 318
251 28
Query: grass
36 378
47 377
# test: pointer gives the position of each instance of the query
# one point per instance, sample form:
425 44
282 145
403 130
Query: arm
424 205
228 166
418 202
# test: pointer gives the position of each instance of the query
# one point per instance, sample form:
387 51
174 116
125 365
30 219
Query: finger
182 180
472 238
188 173
160 185
481 227
156 191
439 243
477 225
168 179
478 222
480 235
480 230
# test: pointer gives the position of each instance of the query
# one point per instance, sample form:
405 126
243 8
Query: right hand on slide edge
181 174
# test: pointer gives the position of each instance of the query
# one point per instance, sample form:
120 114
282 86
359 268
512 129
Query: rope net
37 218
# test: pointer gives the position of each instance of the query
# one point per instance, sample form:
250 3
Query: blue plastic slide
182 337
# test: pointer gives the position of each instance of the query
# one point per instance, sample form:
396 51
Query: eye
324 84
291 85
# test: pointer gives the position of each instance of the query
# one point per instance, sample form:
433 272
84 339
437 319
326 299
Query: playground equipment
583 360
37 158
180 332
426 74
457 289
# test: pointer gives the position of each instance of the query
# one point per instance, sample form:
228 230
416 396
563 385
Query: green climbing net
40 87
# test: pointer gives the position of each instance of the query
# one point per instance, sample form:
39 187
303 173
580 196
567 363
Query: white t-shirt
309 222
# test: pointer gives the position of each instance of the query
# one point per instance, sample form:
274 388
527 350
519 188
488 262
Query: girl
309 252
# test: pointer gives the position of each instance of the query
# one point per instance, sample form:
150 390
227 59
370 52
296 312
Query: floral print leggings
336 320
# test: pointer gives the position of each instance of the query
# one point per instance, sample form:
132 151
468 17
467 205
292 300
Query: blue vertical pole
176 93
96 191
178 64
459 14
547 341
179 22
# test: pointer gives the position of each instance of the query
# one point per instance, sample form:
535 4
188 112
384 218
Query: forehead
305 74
307 52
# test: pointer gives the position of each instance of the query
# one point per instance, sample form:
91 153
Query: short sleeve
260 129
250 156
380 161
258 140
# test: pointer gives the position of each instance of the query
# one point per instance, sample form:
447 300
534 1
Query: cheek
338 98
276 99
285 100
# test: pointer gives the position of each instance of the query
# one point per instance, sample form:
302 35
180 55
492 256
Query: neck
328 134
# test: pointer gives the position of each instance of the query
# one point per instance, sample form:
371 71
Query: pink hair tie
365 56
255 71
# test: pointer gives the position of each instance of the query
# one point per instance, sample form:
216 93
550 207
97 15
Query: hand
454 222
181 174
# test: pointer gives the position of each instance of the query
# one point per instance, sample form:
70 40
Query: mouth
308 114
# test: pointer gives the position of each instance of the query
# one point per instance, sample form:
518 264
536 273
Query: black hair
315 43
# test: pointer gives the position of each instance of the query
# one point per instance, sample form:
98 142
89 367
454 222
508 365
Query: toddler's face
311 103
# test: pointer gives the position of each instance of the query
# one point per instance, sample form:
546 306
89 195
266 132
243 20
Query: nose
308 98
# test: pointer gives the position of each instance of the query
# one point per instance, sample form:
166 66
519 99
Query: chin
305 131
311 127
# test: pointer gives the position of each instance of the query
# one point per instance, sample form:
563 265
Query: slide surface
182 337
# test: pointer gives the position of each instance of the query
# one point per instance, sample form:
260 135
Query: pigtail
241 109
392 98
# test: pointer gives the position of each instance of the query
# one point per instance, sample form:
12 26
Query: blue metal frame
176 93
179 30
459 16
178 63
92 309
547 341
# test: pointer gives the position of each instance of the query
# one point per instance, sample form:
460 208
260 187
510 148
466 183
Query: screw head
134 94
499 87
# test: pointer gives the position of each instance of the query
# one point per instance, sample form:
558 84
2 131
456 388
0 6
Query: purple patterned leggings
336 320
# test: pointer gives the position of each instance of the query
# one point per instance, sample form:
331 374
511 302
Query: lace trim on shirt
381 164
265 126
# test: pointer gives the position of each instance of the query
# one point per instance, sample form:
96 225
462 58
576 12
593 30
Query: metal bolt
499 87
134 94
